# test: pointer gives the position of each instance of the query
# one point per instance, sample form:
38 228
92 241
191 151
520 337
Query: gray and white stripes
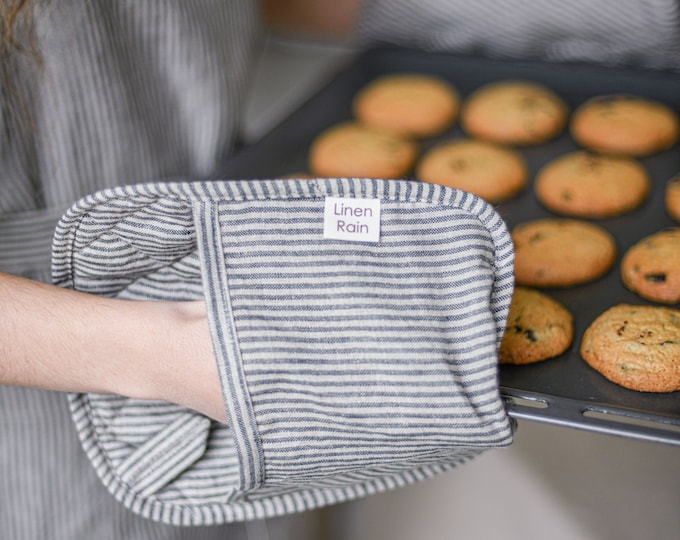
137 91
347 367
123 92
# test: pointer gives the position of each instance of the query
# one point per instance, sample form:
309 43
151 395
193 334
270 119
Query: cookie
408 104
514 113
637 347
354 150
651 267
560 252
672 198
625 124
538 328
486 169
588 185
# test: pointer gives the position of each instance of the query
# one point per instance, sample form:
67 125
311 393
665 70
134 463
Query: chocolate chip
458 164
529 334
656 278
528 102
592 161
535 237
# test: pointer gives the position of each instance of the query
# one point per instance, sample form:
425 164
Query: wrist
183 361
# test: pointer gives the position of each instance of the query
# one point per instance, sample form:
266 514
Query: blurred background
552 483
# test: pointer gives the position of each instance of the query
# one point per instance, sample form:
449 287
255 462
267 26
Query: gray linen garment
121 91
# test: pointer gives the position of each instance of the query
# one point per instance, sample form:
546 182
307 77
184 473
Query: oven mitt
356 326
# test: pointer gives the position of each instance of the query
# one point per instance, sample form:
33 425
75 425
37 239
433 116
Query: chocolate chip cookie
637 347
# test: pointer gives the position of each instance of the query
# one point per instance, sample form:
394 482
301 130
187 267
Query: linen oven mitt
355 323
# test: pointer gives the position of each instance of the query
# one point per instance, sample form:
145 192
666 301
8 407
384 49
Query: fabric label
354 220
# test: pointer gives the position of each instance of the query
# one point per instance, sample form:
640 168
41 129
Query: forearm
64 340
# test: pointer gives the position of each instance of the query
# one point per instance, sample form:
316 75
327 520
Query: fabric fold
227 349
348 365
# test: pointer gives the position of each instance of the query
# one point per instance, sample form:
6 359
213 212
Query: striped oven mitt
355 323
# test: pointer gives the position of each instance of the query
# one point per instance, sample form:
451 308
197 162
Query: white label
356 220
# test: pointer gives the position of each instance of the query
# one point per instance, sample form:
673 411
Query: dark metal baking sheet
562 391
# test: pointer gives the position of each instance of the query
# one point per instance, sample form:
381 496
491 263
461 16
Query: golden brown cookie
355 150
514 112
588 185
672 197
651 267
637 347
625 124
561 252
538 328
486 169
410 104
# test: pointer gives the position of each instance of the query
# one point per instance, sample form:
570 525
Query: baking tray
562 391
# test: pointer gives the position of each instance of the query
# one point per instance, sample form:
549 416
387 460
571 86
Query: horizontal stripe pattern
347 368
611 32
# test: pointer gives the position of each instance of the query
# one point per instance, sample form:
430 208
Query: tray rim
558 410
